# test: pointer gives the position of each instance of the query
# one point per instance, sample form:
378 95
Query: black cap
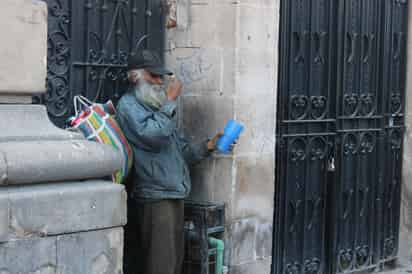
149 60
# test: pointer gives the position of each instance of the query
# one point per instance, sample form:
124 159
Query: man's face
148 88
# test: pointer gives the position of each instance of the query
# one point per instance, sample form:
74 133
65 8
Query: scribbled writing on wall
193 68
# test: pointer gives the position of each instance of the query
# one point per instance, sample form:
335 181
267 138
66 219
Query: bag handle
79 101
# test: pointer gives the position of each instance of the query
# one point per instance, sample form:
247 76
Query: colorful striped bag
96 122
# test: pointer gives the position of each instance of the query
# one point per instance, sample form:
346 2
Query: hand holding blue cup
231 133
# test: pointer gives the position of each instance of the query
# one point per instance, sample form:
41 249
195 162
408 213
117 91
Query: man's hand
211 145
174 89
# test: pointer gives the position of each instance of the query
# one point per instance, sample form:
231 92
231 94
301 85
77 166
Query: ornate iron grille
340 132
88 45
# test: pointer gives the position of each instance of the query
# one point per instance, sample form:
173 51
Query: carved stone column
55 216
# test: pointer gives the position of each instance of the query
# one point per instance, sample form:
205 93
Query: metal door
339 135
88 45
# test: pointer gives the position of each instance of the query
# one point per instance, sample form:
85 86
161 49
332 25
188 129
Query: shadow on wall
405 242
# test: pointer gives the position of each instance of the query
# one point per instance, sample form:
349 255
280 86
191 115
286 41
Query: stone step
93 252
54 209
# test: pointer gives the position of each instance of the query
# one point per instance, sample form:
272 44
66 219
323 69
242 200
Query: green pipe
220 247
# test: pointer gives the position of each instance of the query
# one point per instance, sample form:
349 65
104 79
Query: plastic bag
96 123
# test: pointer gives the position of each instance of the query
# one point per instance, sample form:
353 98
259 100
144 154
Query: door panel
359 119
307 137
393 85
340 131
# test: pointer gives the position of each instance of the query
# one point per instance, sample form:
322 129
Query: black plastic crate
195 266
203 215
202 220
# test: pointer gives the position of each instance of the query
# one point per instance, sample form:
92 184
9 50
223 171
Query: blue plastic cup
231 133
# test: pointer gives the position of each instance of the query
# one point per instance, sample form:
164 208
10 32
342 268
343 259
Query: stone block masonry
225 53
44 210
23 28
68 228
55 217
93 252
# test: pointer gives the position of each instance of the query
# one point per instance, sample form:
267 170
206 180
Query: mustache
150 94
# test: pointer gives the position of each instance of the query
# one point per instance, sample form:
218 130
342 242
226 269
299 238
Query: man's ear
133 76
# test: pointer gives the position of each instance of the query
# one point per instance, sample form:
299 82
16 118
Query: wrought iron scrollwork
362 255
315 206
298 150
351 102
96 53
300 38
363 197
347 203
318 148
359 105
395 139
302 107
367 143
368 42
395 103
367 104
319 106
397 44
58 53
293 268
312 266
345 259
58 94
299 105
392 188
295 207
319 38
350 144
389 247
352 39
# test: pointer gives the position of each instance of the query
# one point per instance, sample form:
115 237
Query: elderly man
147 115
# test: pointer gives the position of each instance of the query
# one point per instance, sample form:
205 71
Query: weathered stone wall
23 48
406 205
66 228
225 52
52 221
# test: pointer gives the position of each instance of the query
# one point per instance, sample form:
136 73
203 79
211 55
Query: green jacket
161 155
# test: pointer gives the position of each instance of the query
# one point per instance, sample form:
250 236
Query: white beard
152 95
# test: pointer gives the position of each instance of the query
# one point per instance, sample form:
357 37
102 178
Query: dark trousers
158 239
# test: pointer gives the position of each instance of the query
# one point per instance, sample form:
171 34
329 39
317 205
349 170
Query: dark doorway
340 131
88 45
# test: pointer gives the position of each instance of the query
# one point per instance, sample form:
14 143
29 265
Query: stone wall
66 228
406 205
225 52
52 219
24 34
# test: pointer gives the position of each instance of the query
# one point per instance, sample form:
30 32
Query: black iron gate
340 132
88 45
